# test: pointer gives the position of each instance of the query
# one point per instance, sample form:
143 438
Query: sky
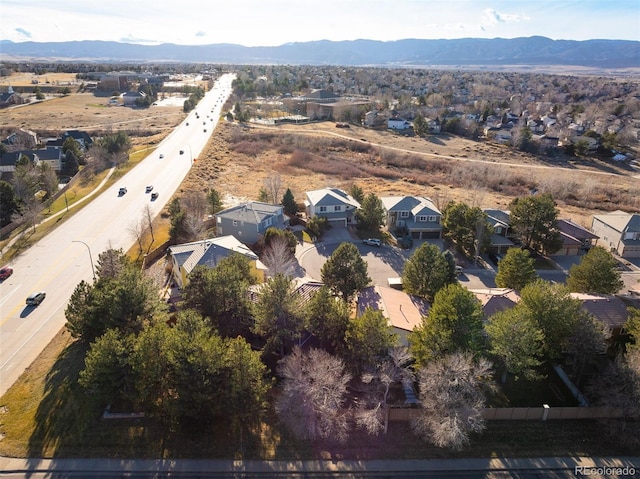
276 22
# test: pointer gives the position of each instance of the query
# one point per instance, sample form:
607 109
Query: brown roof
611 310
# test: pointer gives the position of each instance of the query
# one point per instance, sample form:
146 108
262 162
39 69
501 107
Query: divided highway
58 262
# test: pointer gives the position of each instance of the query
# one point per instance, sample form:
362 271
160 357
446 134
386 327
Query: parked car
373 242
34 299
122 191
495 258
148 189
154 196
5 273
459 270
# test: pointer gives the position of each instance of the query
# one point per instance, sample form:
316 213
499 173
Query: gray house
331 203
418 215
249 221
619 232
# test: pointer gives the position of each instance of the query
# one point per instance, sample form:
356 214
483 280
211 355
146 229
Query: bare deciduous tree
452 396
196 208
147 214
278 258
136 228
373 415
273 185
311 402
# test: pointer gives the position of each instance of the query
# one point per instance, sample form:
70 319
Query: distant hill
465 51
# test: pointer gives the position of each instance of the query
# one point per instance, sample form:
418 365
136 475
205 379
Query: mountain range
409 52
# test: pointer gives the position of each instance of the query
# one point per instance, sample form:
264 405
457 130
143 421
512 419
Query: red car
5 273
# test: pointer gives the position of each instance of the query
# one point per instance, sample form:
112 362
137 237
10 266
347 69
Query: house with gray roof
331 203
619 232
610 310
501 238
248 222
209 252
417 214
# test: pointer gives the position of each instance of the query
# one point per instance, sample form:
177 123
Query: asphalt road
58 262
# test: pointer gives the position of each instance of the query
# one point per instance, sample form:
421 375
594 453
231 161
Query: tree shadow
63 419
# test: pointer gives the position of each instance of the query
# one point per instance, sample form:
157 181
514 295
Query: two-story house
209 252
576 240
501 236
331 203
619 232
417 215
249 221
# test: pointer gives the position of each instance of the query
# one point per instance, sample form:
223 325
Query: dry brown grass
238 159
84 111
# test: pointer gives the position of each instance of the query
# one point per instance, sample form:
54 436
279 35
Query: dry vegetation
238 159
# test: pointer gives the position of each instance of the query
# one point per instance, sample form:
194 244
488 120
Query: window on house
337 208
432 219
323 209
235 223
422 218
404 214
219 220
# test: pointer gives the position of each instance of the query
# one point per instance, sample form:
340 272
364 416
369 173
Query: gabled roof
574 230
611 310
78 135
209 252
331 196
252 212
11 158
416 204
620 221
494 300
498 217
403 310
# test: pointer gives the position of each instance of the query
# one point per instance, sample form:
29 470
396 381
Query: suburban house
403 311
209 252
494 300
619 232
610 310
417 214
576 240
398 124
82 138
51 155
9 98
248 222
501 236
130 97
331 203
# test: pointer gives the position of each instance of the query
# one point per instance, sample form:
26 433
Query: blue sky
275 22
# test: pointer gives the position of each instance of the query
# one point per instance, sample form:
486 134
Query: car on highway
154 196
148 189
161 155
372 242
182 152
34 299
122 191
5 273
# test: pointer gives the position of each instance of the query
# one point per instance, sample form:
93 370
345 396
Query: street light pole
90 257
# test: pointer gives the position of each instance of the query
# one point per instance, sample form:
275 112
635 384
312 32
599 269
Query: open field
441 167
84 111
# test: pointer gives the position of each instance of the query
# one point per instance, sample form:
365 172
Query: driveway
382 262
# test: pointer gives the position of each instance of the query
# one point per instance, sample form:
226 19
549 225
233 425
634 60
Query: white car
373 242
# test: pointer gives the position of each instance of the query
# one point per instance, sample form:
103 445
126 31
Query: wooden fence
524 413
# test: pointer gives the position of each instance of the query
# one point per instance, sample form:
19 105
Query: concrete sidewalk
179 467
